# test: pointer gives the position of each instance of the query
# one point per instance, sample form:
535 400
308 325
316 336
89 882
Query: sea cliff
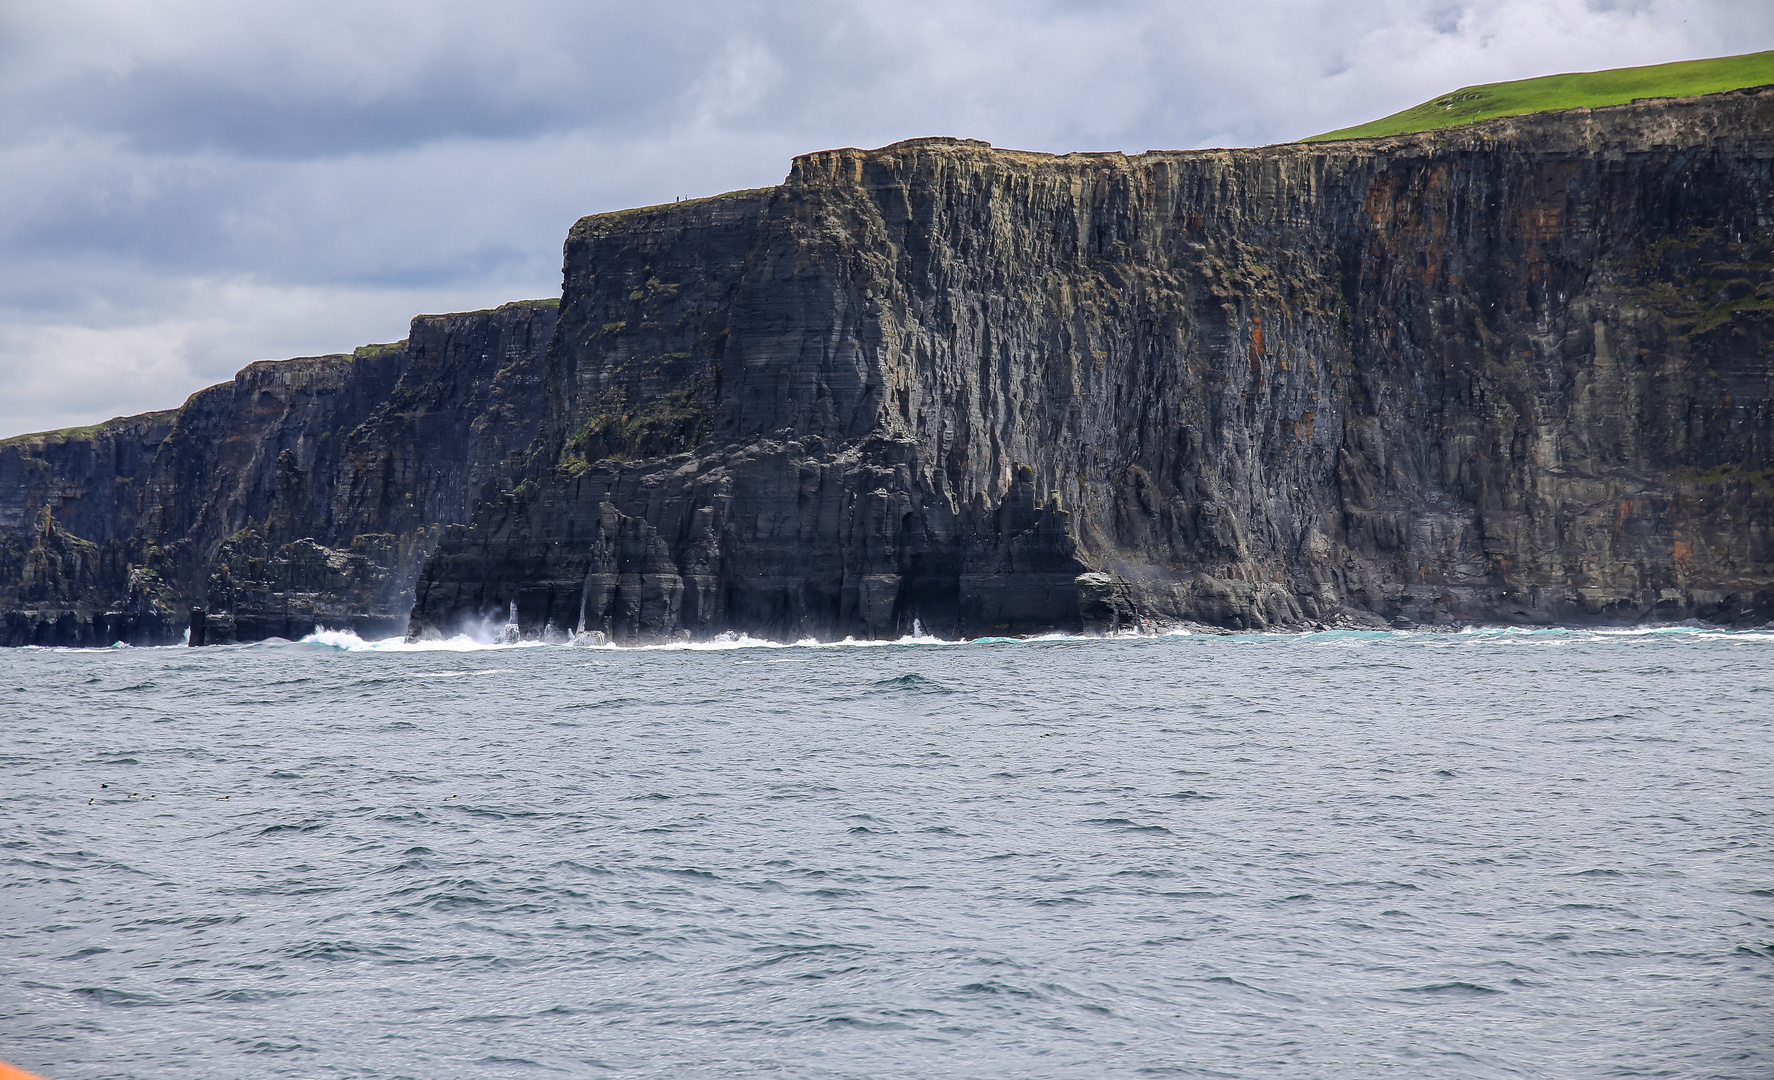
1516 372
303 493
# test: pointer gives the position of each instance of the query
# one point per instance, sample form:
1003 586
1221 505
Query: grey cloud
596 66
171 111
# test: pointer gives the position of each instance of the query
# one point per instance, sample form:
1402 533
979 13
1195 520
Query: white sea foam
347 641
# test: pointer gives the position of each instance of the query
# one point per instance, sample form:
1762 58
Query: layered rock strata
1518 372
304 493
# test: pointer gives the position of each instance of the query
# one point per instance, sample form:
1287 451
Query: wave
1591 633
347 641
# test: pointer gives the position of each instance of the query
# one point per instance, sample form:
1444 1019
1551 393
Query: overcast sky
190 185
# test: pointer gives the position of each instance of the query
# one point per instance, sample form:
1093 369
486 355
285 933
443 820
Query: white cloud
191 185
194 332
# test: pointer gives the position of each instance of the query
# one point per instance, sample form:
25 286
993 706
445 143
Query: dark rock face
304 493
1517 373
70 504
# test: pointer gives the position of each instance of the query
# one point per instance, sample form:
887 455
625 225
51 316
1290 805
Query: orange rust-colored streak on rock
1256 346
1411 221
1541 219
1377 203
1433 224
1683 553
1538 225
1542 223
8 1072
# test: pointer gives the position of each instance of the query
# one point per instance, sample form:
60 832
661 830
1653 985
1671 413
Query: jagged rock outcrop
303 493
1518 372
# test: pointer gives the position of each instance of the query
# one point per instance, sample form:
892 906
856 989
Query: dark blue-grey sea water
1497 854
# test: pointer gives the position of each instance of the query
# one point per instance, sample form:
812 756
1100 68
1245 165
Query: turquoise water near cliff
1492 854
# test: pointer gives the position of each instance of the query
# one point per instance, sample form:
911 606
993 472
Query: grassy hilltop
1582 90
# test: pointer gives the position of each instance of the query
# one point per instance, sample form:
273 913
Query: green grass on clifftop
1583 90
58 435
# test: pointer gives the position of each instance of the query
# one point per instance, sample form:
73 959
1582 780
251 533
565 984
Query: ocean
1496 853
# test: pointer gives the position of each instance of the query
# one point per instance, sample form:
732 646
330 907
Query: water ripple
1502 853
